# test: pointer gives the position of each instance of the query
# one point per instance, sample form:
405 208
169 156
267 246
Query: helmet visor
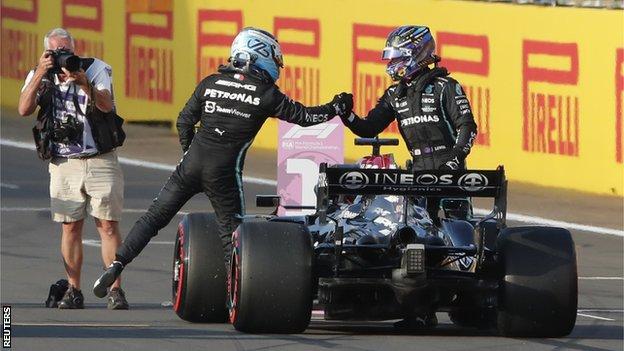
390 53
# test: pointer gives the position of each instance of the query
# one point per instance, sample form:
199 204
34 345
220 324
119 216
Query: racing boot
100 288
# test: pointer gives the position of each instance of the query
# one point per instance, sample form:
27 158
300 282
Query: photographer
76 131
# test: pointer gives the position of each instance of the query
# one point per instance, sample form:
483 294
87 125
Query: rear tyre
199 274
539 289
270 279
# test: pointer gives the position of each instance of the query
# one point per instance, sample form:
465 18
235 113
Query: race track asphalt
30 262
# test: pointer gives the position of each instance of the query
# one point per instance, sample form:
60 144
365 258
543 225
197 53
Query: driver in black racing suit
232 106
431 109
432 112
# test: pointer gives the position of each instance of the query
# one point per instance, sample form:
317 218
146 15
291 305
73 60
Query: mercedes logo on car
472 182
353 180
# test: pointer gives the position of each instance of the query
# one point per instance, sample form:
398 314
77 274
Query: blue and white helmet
259 48
409 49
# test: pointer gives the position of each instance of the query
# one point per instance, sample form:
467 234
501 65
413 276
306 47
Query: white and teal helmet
260 48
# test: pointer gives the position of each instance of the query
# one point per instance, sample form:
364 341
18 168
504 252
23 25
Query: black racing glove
343 104
450 165
454 162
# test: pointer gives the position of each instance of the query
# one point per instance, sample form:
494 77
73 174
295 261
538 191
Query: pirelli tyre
199 274
539 289
270 279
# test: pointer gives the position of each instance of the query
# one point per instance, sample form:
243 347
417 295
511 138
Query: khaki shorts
86 186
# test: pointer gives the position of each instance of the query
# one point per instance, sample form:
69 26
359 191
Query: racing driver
432 112
431 108
232 105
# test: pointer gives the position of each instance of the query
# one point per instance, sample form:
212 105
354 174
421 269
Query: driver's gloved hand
454 161
450 165
343 104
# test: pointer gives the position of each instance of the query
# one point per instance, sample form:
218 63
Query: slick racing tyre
199 274
270 279
539 287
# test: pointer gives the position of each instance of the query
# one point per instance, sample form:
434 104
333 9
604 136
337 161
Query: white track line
140 163
595 317
9 186
320 315
550 222
601 278
89 325
263 181
98 243
601 311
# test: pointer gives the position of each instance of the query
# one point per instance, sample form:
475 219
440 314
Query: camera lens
70 62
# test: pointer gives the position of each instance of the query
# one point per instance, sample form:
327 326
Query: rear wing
352 180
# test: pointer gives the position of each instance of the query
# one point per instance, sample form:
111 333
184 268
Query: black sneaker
100 288
117 299
72 300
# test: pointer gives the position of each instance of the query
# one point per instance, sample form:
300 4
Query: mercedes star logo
353 180
472 182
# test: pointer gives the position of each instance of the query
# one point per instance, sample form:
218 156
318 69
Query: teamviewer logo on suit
211 106
353 180
473 182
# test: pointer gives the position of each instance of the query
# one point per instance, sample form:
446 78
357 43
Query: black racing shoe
72 300
100 288
117 299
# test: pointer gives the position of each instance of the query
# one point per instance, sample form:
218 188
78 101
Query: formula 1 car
371 251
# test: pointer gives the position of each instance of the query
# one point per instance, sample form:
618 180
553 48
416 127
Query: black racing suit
433 116
232 107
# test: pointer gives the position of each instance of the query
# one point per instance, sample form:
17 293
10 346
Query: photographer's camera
67 130
64 58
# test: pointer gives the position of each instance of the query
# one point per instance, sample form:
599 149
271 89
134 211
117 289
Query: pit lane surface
31 262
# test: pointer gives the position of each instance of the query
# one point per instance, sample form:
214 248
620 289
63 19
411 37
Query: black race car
371 251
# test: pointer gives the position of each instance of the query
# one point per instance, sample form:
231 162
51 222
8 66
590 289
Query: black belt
85 157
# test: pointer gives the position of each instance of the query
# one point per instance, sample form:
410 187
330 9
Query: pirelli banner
546 84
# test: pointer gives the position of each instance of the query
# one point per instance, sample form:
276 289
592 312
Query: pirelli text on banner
216 30
300 38
149 55
86 17
369 74
619 97
476 71
18 28
550 119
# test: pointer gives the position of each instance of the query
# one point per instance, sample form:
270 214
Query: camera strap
75 100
